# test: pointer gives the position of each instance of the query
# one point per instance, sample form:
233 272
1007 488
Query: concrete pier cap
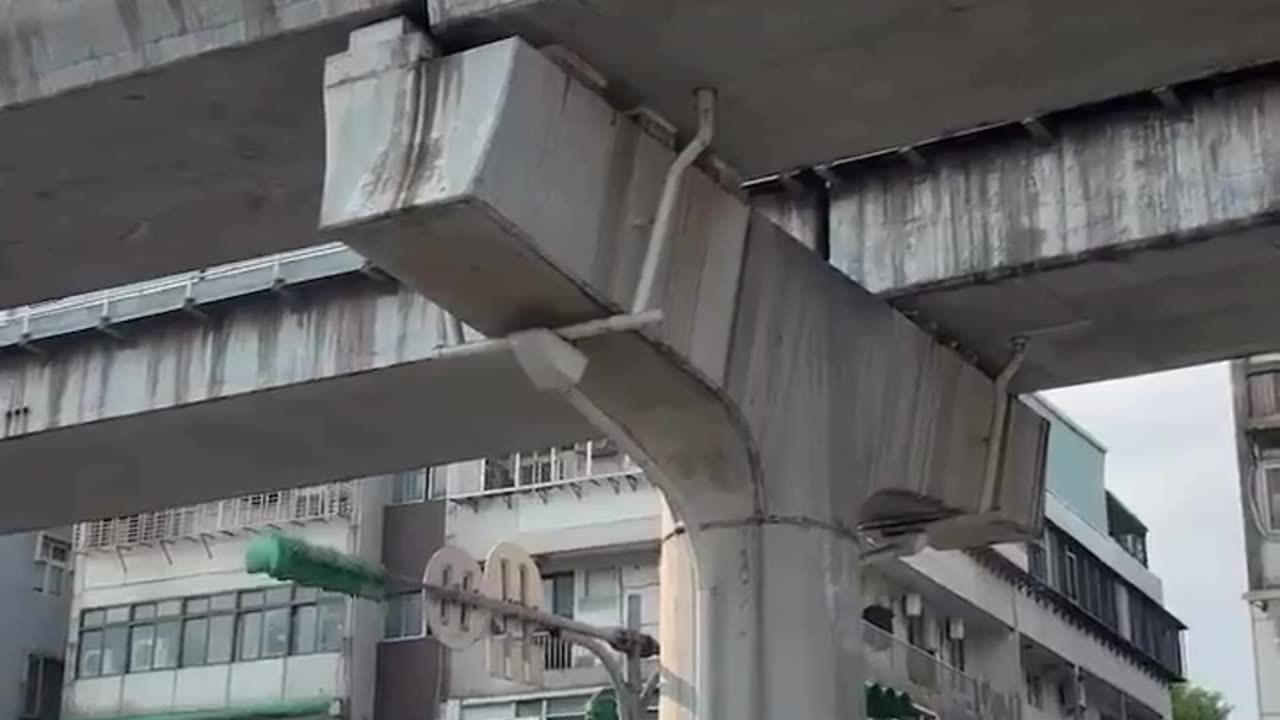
781 407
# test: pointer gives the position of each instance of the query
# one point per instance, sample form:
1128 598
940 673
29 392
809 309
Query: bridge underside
148 138
1119 242
349 383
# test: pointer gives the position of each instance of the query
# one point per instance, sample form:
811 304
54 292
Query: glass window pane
411 615
250 634
166 652
54 576
1273 496
529 709
305 594
275 632
220 634
279 596
90 653
225 601
142 642
118 614
115 644
330 633
567 705
197 605
304 629
92 618
169 608
144 612
408 487
195 641
251 598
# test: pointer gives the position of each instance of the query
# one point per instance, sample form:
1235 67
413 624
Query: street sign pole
462 601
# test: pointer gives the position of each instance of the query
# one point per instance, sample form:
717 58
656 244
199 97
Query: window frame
1033 682
45 564
45 667
215 611
1269 500
422 487
423 630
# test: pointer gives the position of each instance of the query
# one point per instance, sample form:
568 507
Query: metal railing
592 461
101 308
557 653
223 517
931 682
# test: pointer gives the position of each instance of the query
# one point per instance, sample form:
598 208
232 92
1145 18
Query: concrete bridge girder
1127 242
347 381
780 405
184 133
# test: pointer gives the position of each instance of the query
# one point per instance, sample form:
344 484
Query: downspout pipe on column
1000 411
662 220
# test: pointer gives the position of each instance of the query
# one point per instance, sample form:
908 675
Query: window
497 474
208 630
42 688
954 645
916 633
409 487
1037 562
1271 489
404 616
1035 690
53 558
1071 565
329 632
304 629
249 631
559 588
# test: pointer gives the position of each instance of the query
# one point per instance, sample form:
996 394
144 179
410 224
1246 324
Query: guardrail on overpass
186 292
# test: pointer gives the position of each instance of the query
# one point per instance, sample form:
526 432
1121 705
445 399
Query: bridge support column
780 406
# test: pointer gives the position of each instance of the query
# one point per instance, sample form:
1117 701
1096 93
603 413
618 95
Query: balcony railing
223 517
557 653
943 689
597 461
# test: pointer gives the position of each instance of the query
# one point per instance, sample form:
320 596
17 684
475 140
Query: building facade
1256 391
1069 626
166 621
35 595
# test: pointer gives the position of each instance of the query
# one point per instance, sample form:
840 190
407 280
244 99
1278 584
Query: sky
1171 459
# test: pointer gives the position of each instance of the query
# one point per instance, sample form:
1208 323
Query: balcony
223 517
597 463
946 691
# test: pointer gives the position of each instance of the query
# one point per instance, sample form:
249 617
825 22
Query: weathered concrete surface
779 405
145 137
807 81
1133 242
344 382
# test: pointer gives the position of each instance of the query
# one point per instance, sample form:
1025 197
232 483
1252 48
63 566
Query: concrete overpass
145 137
781 406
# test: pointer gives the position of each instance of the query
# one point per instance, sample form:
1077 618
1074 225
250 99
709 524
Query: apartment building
1069 626
165 620
1256 385
35 595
